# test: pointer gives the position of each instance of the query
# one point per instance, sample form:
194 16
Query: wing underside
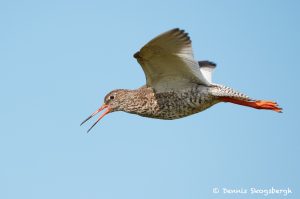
168 62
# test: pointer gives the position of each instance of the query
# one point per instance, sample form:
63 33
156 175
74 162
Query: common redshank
176 84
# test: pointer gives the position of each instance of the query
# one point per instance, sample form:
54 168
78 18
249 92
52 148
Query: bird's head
113 101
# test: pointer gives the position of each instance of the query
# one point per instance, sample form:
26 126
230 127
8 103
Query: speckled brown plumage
168 105
176 85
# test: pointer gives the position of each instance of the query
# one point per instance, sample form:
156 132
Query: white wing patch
207 67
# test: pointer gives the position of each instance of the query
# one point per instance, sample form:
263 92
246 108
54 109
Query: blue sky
58 60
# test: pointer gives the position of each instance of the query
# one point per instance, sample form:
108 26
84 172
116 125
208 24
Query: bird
176 84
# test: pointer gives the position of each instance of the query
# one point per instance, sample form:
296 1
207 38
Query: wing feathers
168 62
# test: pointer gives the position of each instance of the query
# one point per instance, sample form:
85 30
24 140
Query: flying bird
176 84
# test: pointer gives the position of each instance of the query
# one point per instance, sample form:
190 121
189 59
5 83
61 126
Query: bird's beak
104 106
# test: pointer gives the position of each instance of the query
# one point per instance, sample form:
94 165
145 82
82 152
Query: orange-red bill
104 106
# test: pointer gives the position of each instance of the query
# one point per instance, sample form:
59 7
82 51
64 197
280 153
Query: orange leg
259 104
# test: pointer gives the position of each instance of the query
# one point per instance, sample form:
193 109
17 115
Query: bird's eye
111 97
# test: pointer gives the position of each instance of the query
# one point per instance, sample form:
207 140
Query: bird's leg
258 104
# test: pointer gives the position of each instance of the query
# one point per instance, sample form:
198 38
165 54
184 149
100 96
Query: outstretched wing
168 62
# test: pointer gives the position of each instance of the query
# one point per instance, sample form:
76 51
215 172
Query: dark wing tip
207 63
181 34
174 30
137 55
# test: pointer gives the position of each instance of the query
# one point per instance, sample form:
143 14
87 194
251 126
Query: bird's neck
137 101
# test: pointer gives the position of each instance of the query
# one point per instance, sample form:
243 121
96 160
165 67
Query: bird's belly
168 108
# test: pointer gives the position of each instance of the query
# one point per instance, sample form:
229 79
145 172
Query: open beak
104 106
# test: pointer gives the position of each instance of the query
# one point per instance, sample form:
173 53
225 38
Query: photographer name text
253 191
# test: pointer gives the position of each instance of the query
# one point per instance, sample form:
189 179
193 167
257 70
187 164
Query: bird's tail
226 94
